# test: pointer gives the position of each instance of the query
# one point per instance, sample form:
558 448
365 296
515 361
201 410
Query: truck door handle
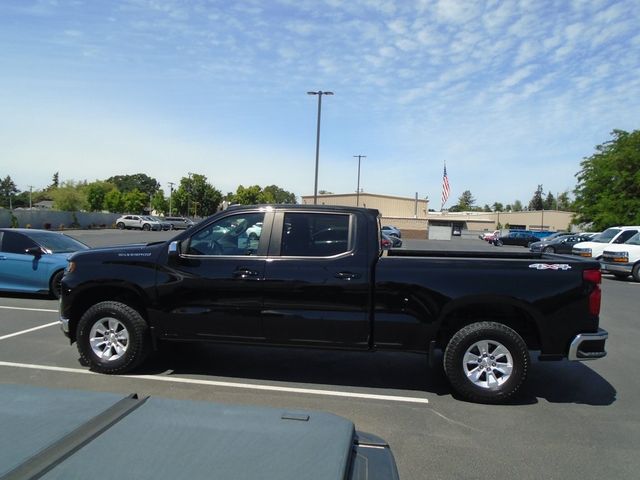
347 275
245 273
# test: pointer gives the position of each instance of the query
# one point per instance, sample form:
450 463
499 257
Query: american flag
445 187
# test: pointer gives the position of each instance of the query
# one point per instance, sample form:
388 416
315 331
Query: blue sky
511 94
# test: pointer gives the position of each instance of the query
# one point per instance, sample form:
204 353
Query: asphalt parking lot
571 420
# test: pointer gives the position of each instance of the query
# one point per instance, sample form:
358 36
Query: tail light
595 297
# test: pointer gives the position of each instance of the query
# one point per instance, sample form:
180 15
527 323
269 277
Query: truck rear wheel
486 362
112 338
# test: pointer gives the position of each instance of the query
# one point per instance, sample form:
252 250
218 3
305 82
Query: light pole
358 189
171 184
189 196
319 93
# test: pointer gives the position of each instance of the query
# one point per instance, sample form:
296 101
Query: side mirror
174 249
35 251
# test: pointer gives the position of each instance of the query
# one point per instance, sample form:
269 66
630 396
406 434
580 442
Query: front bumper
616 267
588 346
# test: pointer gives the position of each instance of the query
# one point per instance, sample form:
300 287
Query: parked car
396 242
391 230
522 239
558 244
486 236
33 261
595 247
485 313
141 222
623 259
456 232
179 223
163 223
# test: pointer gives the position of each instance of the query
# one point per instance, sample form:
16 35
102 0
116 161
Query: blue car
33 261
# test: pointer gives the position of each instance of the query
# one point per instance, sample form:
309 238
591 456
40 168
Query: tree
114 201
96 193
159 203
275 194
194 192
563 202
139 181
536 203
135 201
465 202
498 207
608 189
517 206
69 198
7 189
248 195
550 202
55 181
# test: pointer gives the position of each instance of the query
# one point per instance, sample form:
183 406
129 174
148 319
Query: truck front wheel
112 338
486 362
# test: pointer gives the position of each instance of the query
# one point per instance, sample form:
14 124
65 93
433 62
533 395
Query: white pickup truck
600 243
624 259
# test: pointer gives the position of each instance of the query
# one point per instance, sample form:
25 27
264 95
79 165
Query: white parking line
30 309
212 383
22 332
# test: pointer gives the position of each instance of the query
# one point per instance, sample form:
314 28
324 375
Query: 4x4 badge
550 266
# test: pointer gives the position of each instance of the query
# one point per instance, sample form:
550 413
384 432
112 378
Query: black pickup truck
316 276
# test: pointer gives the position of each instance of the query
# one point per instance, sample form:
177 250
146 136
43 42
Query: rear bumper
588 346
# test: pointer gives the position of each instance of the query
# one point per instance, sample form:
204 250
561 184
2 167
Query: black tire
549 250
635 273
461 374
621 276
120 225
55 288
95 324
146 227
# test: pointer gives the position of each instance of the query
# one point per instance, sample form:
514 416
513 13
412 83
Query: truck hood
623 247
141 250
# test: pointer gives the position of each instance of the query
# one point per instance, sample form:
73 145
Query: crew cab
597 245
316 276
623 259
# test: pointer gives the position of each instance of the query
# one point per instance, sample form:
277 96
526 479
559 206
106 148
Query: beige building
408 214
412 216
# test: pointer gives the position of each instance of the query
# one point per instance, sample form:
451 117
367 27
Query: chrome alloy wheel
109 339
487 364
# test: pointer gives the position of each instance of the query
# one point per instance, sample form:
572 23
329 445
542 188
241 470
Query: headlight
583 252
620 257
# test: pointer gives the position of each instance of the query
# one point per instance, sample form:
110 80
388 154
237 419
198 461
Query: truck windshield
607 235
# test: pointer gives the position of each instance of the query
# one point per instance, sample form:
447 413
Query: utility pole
30 191
358 189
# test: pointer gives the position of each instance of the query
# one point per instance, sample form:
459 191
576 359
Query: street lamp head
319 92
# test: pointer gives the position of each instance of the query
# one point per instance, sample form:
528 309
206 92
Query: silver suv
179 222
141 222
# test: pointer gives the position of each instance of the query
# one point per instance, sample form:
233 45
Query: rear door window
315 234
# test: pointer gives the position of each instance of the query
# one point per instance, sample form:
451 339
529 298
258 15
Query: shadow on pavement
556 382
400 371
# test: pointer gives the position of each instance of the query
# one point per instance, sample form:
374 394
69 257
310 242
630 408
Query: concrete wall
56 220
